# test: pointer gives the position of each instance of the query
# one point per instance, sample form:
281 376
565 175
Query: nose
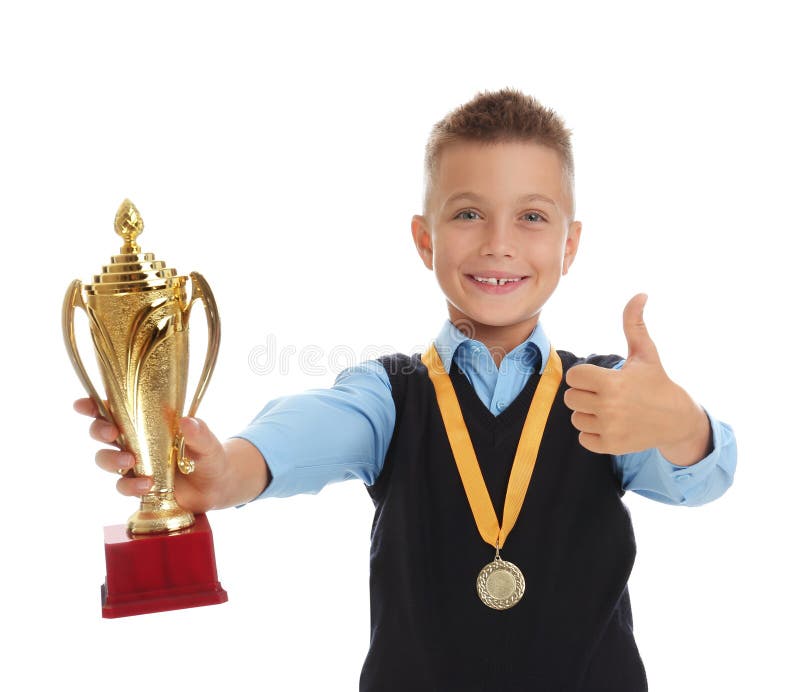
498 240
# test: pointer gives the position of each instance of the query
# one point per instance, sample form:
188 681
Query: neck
500 340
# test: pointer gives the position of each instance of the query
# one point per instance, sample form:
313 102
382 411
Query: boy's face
497 210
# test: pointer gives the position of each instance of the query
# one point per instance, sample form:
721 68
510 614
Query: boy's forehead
499 170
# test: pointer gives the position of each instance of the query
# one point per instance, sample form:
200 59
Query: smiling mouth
496 280
496 285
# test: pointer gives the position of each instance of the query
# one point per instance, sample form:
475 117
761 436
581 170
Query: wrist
245 474
693 440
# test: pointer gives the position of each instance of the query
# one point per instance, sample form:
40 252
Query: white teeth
492 280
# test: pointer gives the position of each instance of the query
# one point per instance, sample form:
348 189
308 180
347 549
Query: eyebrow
533 197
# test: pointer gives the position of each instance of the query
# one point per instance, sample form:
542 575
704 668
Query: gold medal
500 584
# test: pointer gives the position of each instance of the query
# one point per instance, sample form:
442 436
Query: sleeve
322 436
648 473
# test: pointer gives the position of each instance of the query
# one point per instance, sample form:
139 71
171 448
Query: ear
422 239
571 247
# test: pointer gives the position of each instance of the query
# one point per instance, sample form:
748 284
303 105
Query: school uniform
573 540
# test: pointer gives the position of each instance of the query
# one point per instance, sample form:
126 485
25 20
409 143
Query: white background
279 152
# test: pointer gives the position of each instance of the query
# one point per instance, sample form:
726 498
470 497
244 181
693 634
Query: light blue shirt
321 436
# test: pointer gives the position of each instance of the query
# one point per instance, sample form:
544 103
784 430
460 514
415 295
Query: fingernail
126 460
109 432
143 484
190 425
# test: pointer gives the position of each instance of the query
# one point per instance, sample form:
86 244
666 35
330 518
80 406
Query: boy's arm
320 436
647 421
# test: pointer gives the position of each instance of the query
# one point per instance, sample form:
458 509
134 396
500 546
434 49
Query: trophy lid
132 271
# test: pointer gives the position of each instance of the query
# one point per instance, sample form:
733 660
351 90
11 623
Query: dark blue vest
573 541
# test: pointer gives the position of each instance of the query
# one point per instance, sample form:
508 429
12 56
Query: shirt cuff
691 482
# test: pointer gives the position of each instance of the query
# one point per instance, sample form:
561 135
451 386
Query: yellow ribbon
464 452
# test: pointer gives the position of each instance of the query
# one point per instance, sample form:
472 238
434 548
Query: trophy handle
202 291
74 299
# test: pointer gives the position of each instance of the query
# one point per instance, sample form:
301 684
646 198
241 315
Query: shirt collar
536 348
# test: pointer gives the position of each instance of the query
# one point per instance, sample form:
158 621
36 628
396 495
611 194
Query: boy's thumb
640 344
199 439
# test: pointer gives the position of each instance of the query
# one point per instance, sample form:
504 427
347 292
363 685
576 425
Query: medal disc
500 584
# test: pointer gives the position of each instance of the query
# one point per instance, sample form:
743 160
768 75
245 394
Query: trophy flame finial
128 224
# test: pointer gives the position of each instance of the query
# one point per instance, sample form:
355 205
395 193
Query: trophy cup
138 312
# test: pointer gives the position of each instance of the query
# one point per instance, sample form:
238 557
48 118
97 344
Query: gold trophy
138 312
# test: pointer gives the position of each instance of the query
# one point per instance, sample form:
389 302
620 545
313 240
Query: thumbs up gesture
637 407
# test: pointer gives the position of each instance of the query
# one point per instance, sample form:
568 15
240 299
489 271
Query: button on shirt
321 436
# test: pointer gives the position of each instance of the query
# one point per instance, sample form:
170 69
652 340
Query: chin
491 318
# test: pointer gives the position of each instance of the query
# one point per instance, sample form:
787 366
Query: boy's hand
637 407
197 492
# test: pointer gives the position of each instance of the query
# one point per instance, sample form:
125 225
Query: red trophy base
168 571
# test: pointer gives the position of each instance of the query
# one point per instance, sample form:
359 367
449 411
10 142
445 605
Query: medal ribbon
464 452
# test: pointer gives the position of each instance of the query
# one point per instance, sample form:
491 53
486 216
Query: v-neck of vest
467 395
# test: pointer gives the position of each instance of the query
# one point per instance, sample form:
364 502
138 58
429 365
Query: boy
447 442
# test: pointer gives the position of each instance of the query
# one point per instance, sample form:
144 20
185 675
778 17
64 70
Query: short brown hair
501 116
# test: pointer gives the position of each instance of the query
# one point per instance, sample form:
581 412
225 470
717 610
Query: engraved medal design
500 584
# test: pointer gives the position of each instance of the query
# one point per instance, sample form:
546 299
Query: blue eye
461 216
528 216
